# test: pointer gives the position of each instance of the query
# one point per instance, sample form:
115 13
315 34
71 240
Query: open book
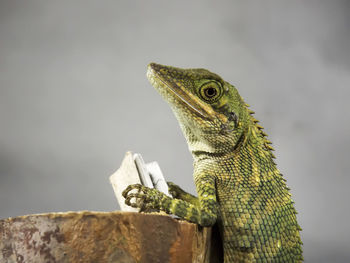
134 170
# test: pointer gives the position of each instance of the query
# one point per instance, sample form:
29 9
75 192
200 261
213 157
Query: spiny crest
267 143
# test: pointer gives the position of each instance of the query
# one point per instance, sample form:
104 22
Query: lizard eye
210 91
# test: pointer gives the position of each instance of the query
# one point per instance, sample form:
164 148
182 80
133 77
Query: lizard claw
131 187
139 200
143 198
173 189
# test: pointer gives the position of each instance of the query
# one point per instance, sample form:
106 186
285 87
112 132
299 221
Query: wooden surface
105 237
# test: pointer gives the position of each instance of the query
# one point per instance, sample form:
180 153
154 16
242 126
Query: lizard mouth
159 81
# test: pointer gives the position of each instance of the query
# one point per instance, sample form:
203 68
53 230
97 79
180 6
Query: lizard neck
253 153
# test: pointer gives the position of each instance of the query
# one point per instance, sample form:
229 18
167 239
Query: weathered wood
104 237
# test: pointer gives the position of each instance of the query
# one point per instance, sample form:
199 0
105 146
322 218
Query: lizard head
211 113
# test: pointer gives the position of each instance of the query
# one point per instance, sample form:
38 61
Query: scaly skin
236 178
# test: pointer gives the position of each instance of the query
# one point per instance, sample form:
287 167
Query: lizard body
237 181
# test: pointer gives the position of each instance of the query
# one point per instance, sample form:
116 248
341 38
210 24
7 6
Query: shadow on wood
106 237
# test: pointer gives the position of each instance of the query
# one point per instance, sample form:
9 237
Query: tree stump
105 237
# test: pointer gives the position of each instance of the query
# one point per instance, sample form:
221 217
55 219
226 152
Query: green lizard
236 178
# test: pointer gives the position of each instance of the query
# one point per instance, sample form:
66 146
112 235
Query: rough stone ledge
104 237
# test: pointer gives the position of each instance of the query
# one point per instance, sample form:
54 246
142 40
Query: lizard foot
177 192
144 198
174 190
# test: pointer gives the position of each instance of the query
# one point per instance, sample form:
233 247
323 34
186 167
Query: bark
105 237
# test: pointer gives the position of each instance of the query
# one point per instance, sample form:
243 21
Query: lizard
238 183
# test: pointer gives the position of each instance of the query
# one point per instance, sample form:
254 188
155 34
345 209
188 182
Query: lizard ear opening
231 124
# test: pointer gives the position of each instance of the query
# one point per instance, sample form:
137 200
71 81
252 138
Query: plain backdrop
74 98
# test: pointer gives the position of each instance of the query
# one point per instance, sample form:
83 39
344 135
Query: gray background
74 98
